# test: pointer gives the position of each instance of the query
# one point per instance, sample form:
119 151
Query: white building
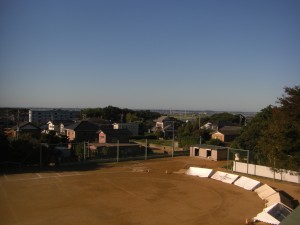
45 115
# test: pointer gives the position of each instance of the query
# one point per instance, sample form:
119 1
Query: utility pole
146 149
117 150
173 142
18 124
41 157
200 141
83 151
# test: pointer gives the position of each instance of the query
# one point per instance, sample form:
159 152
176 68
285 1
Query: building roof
58 122
212 147
26 126
230 130
293 218
162 119
55 109
115 131
83 126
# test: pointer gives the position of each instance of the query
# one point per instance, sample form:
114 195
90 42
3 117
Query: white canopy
247 183
273 214
265 191
224 177
279 198
200 172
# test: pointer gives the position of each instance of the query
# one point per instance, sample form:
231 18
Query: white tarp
278 198
273 214
200 172
264 191
224 177
247 183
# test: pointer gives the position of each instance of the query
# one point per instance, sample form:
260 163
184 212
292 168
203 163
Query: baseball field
135 192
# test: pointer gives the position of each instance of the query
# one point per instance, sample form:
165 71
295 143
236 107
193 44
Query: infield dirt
136 192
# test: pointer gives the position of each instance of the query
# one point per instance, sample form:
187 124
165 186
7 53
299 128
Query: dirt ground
136 192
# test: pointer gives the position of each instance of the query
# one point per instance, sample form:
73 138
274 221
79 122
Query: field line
119 187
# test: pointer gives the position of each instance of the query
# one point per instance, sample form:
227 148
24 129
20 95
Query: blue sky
154 54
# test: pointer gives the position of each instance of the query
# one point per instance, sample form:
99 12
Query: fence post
247 160
146 149
227 158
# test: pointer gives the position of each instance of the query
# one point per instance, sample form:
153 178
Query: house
164 124
58 125
113 135
132 127
227 133
26 128
82 131
210 152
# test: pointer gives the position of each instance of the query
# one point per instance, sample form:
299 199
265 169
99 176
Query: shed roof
293 218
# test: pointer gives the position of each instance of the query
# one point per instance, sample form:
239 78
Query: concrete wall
203 152
220 154
216 154
264 171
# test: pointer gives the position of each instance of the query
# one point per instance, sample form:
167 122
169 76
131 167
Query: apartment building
46 115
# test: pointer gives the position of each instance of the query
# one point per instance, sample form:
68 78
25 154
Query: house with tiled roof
82 131
227 133
114 135
164 124
58 125
26 128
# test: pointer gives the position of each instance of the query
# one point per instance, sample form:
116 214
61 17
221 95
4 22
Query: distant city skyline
169 54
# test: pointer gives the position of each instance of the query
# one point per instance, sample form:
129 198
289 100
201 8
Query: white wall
265 171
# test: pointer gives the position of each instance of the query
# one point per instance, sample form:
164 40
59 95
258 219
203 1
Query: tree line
273 135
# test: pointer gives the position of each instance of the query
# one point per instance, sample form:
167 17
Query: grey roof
293 218
65 122
115 131
230 130
24 124
83 125
162 119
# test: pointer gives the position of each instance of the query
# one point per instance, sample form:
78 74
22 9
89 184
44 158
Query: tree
251 133
281 140
274 133
79 151
217 142
224 117
131 117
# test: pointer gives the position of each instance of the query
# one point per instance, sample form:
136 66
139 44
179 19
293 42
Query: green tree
251 133
131 117
281 141
158 133
25 149
224 117
216 142
79 151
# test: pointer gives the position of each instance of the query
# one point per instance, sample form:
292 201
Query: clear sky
148 54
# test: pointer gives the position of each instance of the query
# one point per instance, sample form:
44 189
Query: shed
210 152
293 218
